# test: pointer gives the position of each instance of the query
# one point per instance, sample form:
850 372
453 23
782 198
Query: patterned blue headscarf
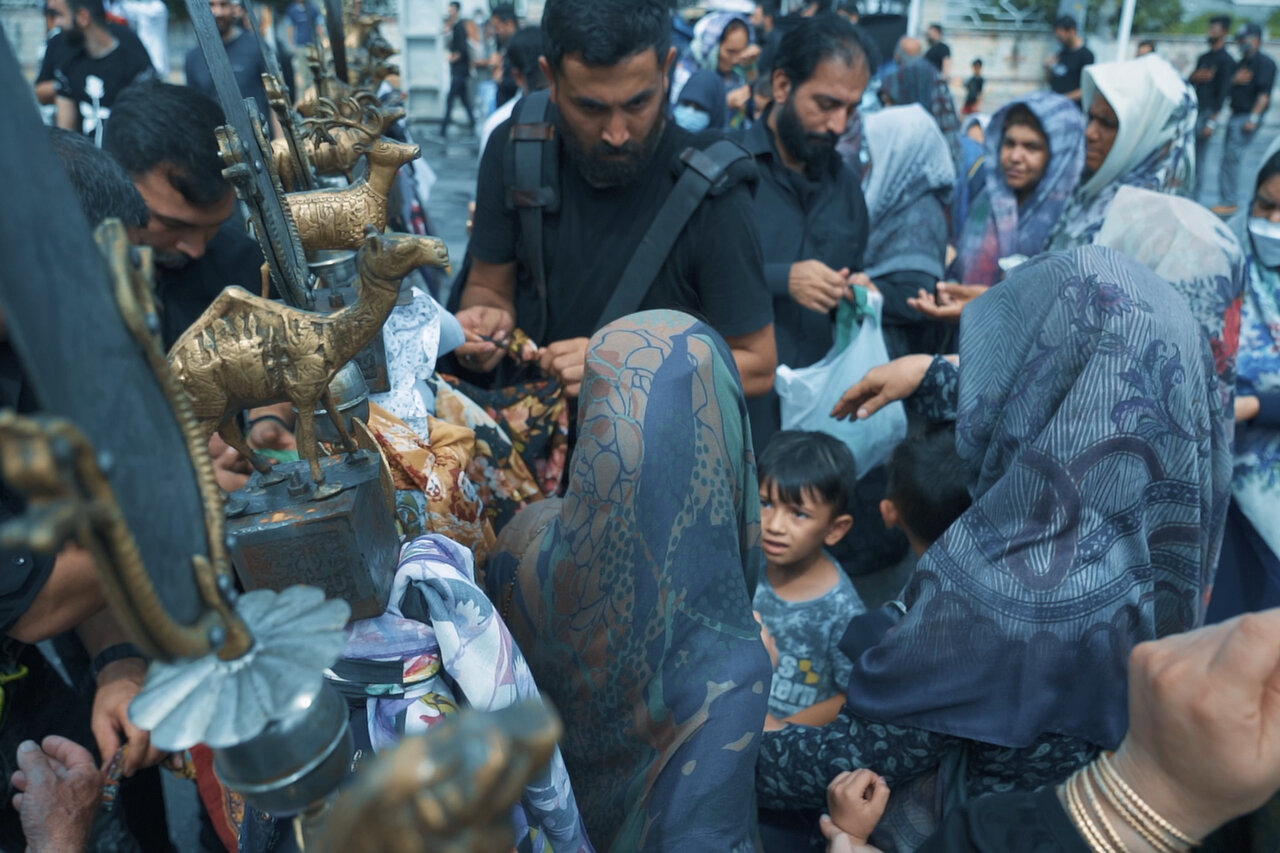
1087 393
631 597
1257 477
997 226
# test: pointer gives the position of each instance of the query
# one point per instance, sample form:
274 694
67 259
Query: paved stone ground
455 163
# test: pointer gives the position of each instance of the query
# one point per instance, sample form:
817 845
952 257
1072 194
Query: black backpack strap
533 183
706 172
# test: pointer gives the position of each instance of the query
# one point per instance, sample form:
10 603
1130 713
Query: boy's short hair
928 483
977 62
795 461
763 86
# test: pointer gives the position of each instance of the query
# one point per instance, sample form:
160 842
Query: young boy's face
792 534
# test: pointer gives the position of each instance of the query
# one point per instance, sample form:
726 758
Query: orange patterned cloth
434 493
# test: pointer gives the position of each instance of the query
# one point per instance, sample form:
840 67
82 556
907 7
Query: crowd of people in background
763 628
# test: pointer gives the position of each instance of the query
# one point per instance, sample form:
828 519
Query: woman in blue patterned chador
1088 410
631 596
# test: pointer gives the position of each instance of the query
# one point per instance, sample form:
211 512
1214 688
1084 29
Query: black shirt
23 573
1212 94
800 220
127 62
712 272
57 52
458 44
232 257
246 64
1245 95
973 89
1066 73
936 54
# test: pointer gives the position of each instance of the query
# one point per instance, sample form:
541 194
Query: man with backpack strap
592 204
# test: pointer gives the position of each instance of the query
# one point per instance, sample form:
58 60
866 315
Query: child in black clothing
973 90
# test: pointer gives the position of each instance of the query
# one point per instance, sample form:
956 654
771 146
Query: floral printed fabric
631 596
522 438
1098 475
449 648
434 493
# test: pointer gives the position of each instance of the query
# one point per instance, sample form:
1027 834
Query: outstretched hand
883 385
948 302
59 791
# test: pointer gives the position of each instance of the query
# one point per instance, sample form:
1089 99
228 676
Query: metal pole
915 12
1126 29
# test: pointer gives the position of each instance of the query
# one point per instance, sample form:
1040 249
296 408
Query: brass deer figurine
246 351
335 137
336 219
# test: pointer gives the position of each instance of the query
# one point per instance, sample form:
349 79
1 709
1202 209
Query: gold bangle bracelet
1132 817
1081 818
1086 781
1105 765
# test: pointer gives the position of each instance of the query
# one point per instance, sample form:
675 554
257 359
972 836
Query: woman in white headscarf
907 182
1140 133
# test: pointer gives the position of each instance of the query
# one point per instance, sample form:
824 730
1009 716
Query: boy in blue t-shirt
805 601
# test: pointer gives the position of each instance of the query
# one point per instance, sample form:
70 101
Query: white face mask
1266 241
691 118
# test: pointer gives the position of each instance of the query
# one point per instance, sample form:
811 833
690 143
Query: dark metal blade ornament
334 24
278 99
251 168
80 358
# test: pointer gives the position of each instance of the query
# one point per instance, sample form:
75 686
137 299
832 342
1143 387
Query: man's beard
815 150
75 38
601 173
170 260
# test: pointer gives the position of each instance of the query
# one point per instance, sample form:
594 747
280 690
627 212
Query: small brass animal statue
336 219
447 791
333 136
246 351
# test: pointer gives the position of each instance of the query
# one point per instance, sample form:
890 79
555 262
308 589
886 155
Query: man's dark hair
928 483
1148 43
101 185
505 12
763 86
96 11
1223 21
523 51
604 32
1020 115
977 62
1065 22
455 5
819 7
937 27
769 8
154 123
813 41
795 462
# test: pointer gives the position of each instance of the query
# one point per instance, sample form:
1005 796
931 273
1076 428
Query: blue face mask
1266 241
691 118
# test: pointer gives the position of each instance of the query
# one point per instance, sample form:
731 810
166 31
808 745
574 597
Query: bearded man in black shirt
97 70
1212 80
617 158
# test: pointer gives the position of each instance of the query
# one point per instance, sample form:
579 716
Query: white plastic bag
808 394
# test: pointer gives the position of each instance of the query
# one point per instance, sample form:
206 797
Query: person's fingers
880 796
853 400
1247 659
828 827
104 732
18 780
34 763
66 751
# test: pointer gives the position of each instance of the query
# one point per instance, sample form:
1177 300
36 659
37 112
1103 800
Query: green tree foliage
1149 16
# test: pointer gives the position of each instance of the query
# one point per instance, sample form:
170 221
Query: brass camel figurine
332 136
246 351
336 219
